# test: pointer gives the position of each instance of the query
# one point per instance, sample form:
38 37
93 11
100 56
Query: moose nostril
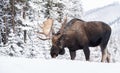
54 56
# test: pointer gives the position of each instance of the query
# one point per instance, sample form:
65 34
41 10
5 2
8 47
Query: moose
79 34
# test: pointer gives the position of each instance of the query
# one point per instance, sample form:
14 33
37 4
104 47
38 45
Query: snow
92 4
106 13
23 65
38 51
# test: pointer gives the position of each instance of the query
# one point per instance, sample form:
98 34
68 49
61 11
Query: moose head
57 38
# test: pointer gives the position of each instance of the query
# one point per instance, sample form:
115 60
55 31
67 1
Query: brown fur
78 34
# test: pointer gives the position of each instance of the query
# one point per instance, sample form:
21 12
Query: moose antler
47 28
63 24
61 30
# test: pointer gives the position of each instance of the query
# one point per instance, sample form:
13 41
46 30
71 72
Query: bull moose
78 34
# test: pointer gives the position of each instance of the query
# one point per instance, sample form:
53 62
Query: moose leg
72 54
87 53
108 57
105 54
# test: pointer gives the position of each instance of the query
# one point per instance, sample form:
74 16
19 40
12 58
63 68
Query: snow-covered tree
73 8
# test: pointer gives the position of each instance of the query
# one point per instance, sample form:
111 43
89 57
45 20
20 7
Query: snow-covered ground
23 65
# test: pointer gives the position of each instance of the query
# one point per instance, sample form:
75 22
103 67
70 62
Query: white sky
91 4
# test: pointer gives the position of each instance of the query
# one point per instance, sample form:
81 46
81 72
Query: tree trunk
25 31
25 36
4 33
13 15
